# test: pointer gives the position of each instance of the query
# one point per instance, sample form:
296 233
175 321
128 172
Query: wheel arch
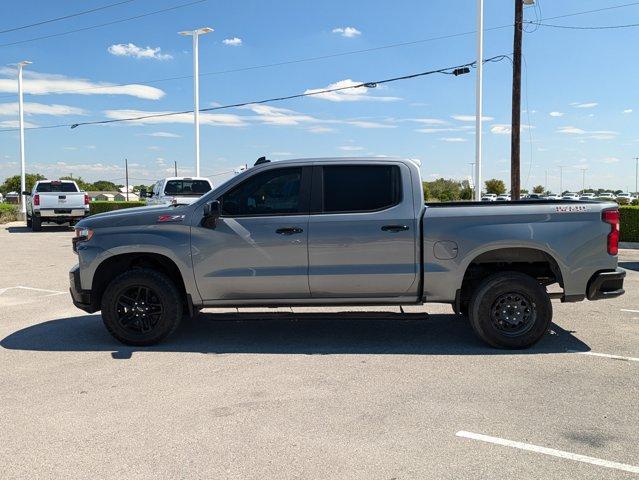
115 265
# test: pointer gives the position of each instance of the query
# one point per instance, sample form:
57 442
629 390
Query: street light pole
583 179
23 173
479 95
561 179
196 90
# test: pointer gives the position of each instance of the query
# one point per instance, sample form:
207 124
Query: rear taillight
86 199
36 200
612 217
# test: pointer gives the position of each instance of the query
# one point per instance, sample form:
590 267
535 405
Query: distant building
121 197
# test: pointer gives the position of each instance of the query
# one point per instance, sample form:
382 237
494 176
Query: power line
113 22
307 59
454 70
57 19
574 27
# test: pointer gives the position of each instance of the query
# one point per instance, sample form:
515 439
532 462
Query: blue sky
581 104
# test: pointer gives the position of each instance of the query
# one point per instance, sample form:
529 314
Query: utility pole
175 167
479 97
546 184
515 135
126 174
561 179
196 90
583 179
23 172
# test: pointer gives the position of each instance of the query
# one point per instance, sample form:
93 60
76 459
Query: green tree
12 184
498 187
445 190
104 186
538 189
466 193
426 191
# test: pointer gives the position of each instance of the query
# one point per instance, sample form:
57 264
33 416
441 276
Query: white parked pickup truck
56 201
178 190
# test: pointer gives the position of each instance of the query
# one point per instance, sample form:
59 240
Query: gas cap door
445 250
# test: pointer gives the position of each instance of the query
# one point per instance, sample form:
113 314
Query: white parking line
20 287
628 310
605 355
549 451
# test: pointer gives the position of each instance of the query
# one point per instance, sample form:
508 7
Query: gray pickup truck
344 231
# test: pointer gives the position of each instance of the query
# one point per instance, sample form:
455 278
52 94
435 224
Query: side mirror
26 193
211 214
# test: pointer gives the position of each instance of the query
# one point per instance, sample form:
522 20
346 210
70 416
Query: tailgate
61 200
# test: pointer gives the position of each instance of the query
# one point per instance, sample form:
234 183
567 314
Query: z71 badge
571 208
170 218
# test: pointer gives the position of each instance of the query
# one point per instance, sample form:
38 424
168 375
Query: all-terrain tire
36 224
510 310
131 317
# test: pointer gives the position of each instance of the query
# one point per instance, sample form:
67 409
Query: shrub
8 212
101 207
629 224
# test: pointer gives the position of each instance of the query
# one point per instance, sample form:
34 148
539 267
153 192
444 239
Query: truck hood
132 216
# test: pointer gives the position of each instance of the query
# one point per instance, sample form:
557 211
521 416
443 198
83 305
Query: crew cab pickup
344 231
177 190
56 201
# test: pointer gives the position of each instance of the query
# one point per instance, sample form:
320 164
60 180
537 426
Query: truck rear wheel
510 310
36 224
141 307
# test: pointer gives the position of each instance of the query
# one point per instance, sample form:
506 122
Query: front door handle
289 230
394 228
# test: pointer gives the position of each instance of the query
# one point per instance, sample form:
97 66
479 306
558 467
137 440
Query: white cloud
32 108
471 118
584 105
611 160
429 121
36 83
278 116
454 139
132 50
351 148
15 124
594 134
628 110
320 129
556 114
349 94
163 135
438 130
232 42
70 148
348 32
504 129
227 120
366 124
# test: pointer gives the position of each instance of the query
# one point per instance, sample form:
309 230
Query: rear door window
187 187
360 188
65 187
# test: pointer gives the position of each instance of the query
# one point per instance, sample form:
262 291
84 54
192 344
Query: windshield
187 187
67 187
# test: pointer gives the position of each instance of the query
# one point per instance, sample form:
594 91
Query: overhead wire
106 24
65 17
453 70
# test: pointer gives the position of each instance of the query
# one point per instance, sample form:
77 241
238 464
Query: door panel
245 258
259 247
363 254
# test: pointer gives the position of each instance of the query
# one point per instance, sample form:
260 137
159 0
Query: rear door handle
394 228
289 230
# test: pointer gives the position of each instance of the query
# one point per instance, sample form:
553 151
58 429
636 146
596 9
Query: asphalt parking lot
307 393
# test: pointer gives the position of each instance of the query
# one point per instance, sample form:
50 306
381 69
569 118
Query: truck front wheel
510 310
141 307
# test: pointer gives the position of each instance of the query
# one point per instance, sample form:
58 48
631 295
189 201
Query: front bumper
81 298
606 284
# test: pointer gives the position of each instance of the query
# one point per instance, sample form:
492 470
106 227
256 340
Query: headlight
81 235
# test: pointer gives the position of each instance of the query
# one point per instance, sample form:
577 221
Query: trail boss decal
170 218
571 208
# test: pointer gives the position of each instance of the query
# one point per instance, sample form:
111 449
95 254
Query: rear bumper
58 213
607 284
81 298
